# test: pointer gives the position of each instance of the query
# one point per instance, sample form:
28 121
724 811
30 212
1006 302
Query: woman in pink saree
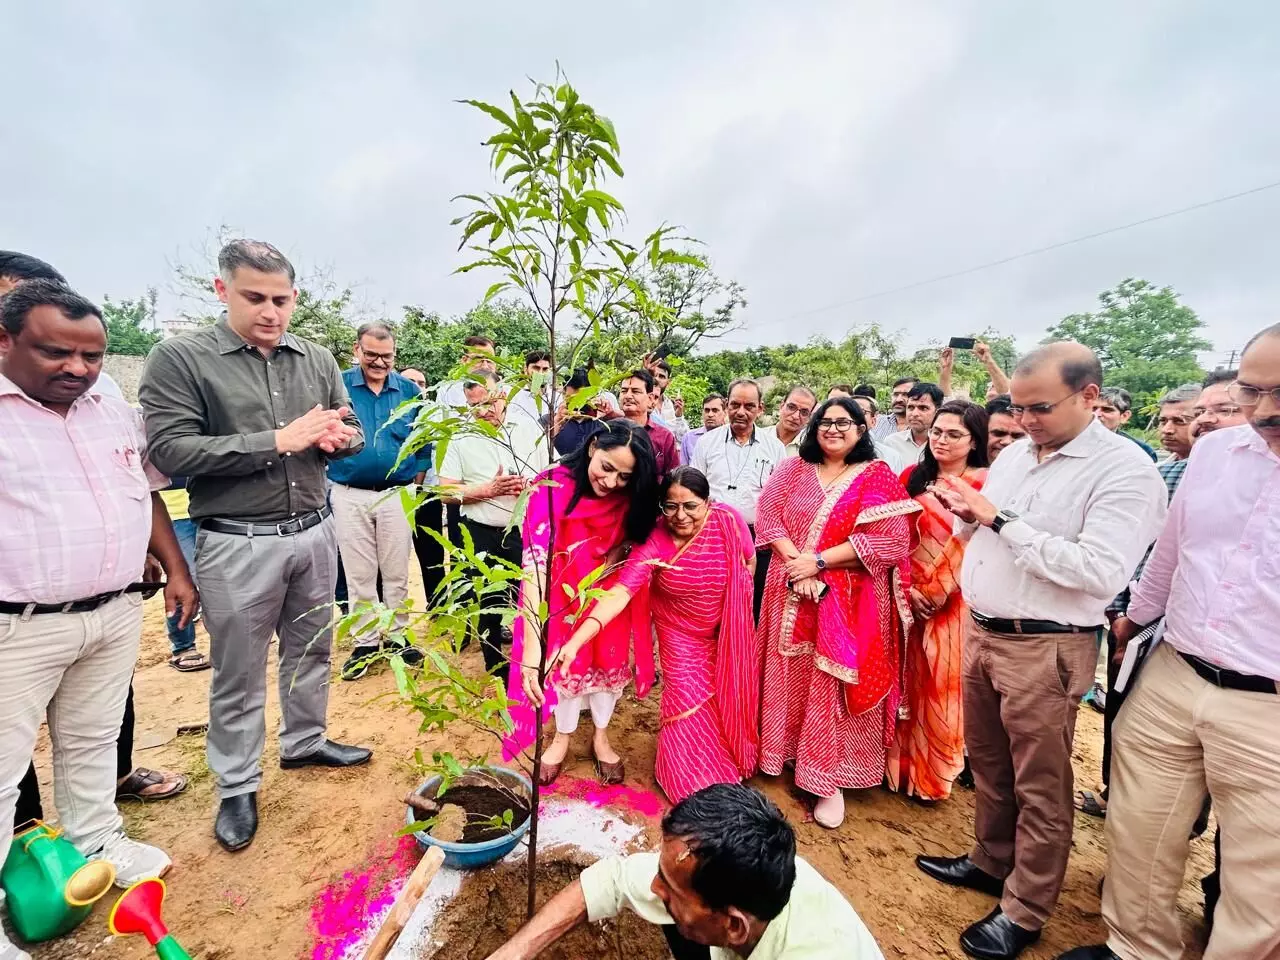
694 577
835 611
580 514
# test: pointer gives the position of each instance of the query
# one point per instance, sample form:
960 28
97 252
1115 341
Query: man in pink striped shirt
76 495
1205 714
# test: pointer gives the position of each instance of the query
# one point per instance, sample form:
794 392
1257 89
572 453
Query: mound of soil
490 908
482 802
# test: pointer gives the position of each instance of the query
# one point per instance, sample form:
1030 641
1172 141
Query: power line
1028 253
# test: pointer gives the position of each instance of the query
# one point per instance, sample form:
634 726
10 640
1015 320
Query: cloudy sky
824 151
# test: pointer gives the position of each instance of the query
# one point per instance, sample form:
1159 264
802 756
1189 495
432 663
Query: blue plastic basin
468 856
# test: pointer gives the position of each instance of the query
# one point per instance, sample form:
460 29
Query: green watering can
50 888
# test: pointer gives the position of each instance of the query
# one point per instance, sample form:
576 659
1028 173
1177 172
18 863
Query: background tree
432 344
686 304
1145 337
132 328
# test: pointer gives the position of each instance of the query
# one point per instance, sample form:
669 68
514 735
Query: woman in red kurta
835 611
929 753
693 577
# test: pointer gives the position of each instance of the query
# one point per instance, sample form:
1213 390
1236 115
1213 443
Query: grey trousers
250 588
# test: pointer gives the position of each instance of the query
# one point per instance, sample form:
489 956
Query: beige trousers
75 669
1177 738
373 535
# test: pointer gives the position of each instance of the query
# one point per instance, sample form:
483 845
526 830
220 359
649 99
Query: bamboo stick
402 909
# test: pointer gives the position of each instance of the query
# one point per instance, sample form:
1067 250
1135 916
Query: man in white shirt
478 357
487 475
737 459
868 405
793 416
726 884
908 446
1062 522
535 401
1204 716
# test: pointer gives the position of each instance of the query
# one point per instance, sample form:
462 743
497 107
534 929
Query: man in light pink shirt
76 495
1204 716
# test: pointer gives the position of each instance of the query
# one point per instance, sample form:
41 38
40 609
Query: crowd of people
909 597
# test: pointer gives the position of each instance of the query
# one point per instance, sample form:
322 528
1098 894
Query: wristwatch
1001 518
817 558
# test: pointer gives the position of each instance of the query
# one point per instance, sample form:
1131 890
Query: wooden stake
402 909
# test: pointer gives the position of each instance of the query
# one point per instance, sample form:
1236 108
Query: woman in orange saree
929 752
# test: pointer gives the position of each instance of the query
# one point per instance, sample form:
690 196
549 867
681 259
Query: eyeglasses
843 425
689 508
385 359
953 436
1220 410
1250 396
793 408
1042 409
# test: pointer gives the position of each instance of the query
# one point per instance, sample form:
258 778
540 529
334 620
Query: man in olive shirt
252 415
726 884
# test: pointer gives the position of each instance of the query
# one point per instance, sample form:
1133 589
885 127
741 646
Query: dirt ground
316 824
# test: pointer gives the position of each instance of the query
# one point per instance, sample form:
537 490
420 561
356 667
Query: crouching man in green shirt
726 884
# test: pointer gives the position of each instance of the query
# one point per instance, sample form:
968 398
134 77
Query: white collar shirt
1215 571
737 472
474 458
1086 516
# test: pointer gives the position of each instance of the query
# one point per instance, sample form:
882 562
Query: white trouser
568 709
75 668
373 536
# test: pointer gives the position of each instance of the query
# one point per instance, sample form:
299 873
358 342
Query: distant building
179 325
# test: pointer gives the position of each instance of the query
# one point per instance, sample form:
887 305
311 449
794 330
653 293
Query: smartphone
661 352
962 343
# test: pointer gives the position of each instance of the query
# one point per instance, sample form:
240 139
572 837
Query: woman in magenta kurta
579 516
693 575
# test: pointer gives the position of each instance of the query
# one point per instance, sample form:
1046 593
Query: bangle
598 624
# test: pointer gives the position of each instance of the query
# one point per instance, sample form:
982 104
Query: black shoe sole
232 848
990 892
301 762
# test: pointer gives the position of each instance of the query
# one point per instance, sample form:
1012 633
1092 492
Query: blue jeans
184 639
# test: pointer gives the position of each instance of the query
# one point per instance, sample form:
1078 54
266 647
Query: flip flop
1087 802
142 778
189 661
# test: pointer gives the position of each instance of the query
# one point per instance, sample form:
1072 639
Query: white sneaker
9 952
133 861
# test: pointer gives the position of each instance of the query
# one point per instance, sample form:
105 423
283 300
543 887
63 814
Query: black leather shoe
996 937
329 754
961 872
237 821
1099 952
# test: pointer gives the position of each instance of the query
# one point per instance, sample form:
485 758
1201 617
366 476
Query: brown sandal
547 773
189 661
142 778
611 774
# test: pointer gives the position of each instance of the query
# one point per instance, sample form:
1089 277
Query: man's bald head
1077 365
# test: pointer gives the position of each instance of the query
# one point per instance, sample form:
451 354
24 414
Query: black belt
285 528
1229 679
1017 627
77 606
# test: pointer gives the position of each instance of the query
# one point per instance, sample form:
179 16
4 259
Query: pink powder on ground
644 802
340 912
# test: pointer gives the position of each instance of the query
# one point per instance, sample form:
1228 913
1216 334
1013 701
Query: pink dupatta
583 539
857 634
